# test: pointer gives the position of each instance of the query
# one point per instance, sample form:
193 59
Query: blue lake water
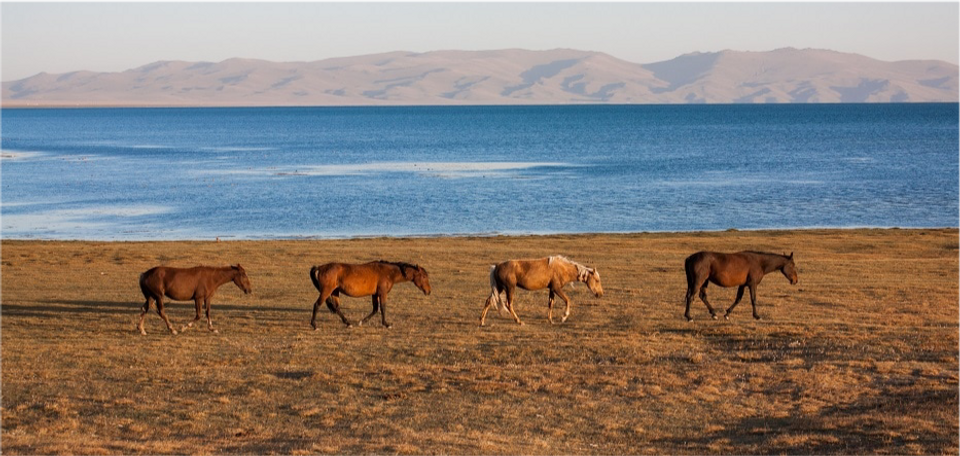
129 174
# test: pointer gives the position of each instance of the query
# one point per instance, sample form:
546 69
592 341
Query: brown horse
743 269
553 273
183 284
356 280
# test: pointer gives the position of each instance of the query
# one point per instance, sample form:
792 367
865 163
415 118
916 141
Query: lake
266 173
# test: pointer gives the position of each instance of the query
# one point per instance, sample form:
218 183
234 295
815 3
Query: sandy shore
859 357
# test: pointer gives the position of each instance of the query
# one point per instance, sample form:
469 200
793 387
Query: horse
742 269
553 272
375 278
183 284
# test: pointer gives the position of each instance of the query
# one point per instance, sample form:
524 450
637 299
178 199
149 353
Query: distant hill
503 77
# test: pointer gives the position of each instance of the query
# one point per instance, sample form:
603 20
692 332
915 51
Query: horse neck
398 276
572 272
224 275
773 262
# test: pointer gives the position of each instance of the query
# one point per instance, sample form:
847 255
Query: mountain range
501 77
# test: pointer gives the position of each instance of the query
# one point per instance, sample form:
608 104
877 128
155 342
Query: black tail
314 277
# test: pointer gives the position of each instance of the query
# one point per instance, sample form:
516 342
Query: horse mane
582 271
400 264
757 252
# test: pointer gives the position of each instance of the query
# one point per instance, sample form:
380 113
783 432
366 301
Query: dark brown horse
742 269
356 280
183 284
553 273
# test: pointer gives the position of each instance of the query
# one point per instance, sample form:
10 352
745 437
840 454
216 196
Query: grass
860 357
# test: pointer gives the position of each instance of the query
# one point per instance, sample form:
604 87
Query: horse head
419 277
241 280
790 270
593 282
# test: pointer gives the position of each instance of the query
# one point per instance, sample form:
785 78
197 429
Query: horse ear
239 268
791 255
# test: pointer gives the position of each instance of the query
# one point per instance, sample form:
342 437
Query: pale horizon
113 37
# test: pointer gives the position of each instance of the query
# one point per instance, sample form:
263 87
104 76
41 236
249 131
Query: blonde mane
582 271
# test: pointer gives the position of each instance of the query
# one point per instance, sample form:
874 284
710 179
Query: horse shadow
53 307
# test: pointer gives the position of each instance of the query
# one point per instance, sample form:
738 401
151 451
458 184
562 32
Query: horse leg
550 306
510 291
726 316
143 314
376 308
692 285
491 300
163 315
753 300
383 311
334 302
703 297
197 304
206 302
566 300
316 306
691 292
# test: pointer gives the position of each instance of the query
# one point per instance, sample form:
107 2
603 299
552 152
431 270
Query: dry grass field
860 357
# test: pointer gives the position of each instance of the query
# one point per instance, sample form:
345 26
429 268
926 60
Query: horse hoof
143 333
174 331
714 316
726 317
214 331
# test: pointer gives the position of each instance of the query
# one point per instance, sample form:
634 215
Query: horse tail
690 268
144 287
314 277
494 289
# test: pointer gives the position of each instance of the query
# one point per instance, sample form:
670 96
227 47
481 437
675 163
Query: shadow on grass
54 307
882 424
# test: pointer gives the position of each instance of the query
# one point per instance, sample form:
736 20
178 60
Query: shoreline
441 236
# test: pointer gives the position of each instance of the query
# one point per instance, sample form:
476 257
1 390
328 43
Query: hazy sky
63 37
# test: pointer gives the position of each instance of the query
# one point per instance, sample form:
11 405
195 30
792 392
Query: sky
110 37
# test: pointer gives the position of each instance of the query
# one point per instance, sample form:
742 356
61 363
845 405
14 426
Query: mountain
503 77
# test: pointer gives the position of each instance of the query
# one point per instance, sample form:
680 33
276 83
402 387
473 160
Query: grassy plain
860 357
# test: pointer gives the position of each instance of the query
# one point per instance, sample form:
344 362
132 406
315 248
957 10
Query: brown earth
860 357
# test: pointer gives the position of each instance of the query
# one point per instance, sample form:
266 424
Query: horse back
526 274
351 279
724 269
180 284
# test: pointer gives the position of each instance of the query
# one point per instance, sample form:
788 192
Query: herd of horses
376 279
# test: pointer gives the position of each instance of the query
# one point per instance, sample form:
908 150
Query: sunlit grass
859 357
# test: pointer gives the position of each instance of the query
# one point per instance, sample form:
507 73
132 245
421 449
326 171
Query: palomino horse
743 269
553 273
356 280
183 284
